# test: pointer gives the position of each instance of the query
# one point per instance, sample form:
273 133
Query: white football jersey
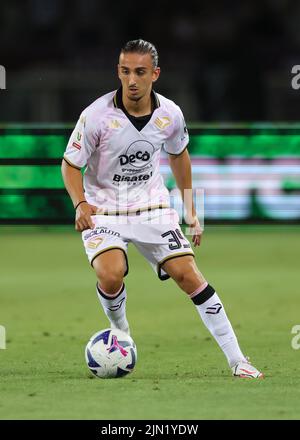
122 164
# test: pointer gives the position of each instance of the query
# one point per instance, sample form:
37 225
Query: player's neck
141 107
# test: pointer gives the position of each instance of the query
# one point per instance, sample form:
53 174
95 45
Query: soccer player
122 198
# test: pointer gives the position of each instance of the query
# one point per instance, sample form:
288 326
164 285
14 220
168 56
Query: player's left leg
184 271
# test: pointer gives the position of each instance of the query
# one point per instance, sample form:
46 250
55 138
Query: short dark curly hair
143 47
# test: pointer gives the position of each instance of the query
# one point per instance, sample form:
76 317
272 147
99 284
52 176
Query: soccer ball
111 353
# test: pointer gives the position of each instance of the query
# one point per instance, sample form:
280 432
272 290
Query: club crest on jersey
162 122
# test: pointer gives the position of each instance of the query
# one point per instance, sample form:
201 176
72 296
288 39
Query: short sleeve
82 143
179 138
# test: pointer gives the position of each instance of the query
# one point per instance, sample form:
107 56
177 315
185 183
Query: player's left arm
181 168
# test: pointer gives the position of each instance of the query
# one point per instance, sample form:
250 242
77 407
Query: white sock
212 312
114 307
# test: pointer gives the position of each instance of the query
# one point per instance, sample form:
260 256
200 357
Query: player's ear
119 71
155 74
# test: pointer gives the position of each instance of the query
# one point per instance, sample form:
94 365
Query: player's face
137 74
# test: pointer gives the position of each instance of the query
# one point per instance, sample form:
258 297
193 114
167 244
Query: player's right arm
73 182
81 145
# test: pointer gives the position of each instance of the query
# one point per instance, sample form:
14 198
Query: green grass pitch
49 309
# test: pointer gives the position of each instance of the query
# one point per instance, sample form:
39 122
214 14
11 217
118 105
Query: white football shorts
156 234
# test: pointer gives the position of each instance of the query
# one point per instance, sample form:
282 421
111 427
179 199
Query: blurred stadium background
228 66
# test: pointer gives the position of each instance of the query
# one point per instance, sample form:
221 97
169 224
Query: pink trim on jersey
199 290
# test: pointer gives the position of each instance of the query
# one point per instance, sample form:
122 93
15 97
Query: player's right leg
110 267
107 254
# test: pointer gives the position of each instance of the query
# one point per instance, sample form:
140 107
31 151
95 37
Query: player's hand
195 230
83 218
